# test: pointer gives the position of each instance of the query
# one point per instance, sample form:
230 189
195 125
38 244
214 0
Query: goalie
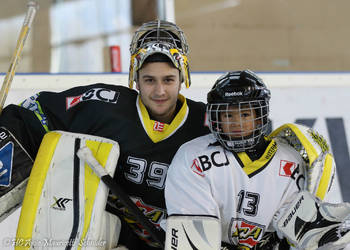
248 190
149 125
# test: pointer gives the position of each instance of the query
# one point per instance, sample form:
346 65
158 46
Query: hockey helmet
159 37
245 91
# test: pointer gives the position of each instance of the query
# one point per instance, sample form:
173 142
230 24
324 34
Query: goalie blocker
309 223
64 203
15 167
193 232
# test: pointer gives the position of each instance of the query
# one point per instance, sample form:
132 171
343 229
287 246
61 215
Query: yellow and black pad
315 151
64 203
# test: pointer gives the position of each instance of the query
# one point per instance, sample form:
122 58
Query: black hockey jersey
116 112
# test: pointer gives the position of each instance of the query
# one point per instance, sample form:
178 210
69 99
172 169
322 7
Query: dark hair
158 57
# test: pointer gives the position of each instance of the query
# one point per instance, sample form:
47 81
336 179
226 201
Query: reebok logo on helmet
228 94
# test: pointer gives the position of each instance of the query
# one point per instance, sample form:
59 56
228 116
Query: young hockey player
149 124
247 190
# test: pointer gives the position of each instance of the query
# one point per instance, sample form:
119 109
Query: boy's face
159 87
238 122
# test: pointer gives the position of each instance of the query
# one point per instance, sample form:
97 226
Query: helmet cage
240 138
159 31
178 59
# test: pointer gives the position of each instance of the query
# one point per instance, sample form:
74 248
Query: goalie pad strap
193 232
65 201
15 166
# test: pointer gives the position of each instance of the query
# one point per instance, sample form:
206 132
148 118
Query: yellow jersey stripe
167 129
250 167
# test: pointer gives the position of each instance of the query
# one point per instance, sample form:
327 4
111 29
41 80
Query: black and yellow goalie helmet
159 37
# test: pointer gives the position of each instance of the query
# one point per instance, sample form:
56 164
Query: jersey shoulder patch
6 156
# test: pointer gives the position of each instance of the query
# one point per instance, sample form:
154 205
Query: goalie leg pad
309 223
193 232
64 204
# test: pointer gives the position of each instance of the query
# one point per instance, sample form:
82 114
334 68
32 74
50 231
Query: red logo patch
246 233
196 168
72 101
158 126
153 214
287 168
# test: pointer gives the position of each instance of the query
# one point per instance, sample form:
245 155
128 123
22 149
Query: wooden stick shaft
28 20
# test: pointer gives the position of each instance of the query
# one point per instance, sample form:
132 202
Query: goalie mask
159 37
238 108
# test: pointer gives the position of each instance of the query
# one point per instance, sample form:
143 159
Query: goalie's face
159 87
238 121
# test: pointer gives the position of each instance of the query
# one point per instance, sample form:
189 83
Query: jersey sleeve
24 125
187 192
84 109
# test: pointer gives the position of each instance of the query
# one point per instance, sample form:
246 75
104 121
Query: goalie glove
319 166
309 223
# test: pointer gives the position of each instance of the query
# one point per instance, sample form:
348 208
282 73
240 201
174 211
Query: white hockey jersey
206 179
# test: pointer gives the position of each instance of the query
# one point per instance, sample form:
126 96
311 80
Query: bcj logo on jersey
98 94
287 168
6 159
205 162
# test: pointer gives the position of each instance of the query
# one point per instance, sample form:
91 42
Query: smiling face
159 87
238 122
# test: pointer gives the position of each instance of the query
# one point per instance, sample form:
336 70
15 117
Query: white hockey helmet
159 37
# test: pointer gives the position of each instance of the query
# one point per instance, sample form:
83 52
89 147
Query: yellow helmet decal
178 59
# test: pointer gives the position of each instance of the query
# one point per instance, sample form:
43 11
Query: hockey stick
85 154
28 20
